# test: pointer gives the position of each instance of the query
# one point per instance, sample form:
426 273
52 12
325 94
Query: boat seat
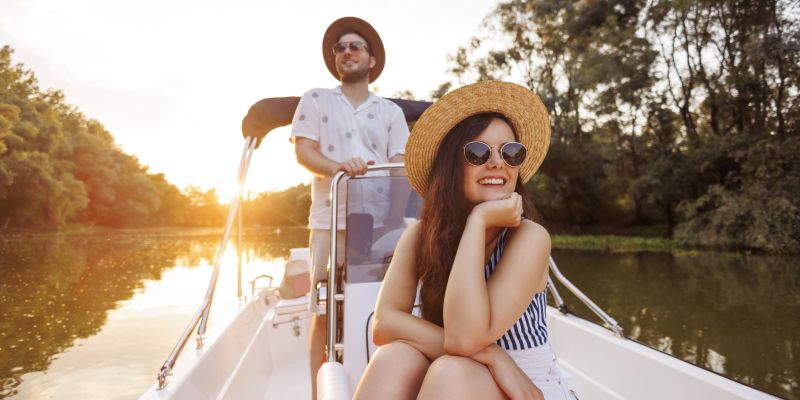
292 306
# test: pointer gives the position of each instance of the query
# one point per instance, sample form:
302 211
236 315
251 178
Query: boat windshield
379 209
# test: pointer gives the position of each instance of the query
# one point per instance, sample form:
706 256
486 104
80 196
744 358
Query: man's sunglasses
354 47
479 153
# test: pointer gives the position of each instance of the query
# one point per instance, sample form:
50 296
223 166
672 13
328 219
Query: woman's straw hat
363 29
522 107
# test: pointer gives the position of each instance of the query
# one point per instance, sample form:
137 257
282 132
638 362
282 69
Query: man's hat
524 109
363 29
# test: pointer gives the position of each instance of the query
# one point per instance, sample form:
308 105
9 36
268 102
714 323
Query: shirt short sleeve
305 122
398 133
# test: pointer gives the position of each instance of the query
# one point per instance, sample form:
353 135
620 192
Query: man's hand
354 166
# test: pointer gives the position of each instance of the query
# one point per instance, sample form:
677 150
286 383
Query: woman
481 263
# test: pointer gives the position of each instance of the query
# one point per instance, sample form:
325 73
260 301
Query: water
95 315
737 315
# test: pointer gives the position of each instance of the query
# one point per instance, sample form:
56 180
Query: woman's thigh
453 377
394 372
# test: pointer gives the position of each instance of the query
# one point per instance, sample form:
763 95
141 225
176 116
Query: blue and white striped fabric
531 328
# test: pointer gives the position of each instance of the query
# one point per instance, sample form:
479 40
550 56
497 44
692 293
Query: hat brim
518 104
363 29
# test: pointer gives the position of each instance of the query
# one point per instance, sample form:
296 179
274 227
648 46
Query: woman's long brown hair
445 211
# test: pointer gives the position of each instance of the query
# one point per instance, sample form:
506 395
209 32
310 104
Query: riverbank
614 243
591 242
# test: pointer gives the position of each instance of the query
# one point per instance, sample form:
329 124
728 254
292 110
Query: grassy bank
613 243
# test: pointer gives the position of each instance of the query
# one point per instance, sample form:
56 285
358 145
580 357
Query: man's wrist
335 168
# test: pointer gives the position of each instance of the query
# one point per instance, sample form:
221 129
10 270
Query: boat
261 351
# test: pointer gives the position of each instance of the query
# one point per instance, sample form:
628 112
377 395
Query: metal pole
556 296
332 298
249 149
201 315
607 320
331 295
239 251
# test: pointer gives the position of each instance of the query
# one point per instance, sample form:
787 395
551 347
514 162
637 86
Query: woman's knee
401 359
449 368
399 352
395 371
454 377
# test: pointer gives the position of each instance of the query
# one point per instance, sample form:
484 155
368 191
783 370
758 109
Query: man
344 129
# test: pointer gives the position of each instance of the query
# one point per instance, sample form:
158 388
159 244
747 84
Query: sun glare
185 285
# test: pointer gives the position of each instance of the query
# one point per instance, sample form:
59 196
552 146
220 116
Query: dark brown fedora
363 29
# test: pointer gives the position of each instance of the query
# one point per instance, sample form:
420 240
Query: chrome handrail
332 298
239 251
250 148
556 296
201 316
610 323
253 283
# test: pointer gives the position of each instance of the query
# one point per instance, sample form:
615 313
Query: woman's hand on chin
506 212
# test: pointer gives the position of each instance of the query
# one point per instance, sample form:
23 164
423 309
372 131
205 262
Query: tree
662 111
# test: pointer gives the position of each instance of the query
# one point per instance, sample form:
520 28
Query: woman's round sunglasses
478 153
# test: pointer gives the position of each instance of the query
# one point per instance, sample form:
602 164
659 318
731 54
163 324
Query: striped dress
530 330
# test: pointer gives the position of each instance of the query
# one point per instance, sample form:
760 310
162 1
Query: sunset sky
171 80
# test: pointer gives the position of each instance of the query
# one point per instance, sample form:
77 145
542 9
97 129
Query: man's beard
360 74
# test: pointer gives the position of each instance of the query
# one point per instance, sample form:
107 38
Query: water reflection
734 314
95 315
56 290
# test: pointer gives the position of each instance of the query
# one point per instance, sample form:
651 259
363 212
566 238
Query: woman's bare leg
394 372
453 377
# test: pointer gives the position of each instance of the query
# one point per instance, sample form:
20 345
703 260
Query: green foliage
288 207
758 210
683 114
57 167
613 243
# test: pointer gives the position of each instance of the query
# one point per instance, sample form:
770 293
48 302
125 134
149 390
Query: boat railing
332 271
609 322
200 318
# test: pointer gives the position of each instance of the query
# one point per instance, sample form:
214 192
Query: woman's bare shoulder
532 234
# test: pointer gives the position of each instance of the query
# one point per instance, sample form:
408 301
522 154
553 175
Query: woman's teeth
491 181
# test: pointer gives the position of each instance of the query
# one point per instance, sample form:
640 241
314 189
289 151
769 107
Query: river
94 315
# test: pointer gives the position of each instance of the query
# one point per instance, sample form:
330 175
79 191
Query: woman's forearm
466 301
395 325
428 338
491 355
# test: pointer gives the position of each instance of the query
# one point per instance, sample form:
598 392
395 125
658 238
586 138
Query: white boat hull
263 354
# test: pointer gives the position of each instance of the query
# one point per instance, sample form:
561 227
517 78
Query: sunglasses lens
477 153
513 153
353 46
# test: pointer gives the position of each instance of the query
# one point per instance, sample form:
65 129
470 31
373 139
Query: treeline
57 168
679 115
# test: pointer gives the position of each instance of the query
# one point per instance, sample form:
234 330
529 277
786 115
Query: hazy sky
172 79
